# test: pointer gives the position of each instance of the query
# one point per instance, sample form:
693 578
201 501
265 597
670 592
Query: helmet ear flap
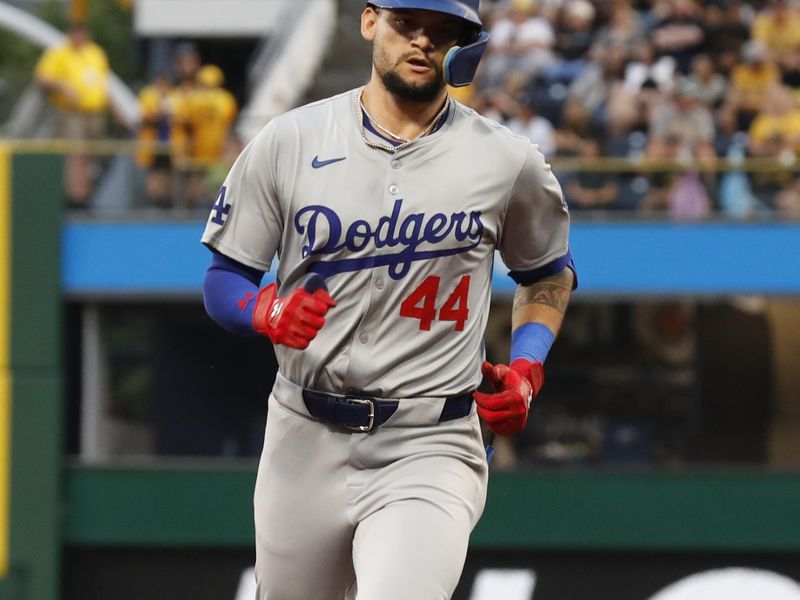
461 62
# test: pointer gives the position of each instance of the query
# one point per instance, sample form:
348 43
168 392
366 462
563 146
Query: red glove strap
262 308
532 371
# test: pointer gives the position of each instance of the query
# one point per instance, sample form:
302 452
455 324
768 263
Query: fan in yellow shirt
159 104
75 75
751 80
775 133
778 28
210 111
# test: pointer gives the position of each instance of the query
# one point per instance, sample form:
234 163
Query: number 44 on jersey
421 304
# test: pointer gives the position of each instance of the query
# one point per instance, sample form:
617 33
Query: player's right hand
515 385
295 319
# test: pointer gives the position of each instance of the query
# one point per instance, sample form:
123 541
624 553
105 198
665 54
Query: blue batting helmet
461 62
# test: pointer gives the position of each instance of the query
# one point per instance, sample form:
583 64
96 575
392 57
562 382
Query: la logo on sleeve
220 210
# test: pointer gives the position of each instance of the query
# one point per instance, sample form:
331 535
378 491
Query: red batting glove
294 320
516 385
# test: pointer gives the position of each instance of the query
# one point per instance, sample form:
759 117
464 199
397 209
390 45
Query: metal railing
124 150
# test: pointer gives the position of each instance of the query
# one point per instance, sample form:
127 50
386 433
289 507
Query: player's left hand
515 385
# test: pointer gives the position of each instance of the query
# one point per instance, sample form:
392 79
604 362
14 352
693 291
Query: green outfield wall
702 510
30 379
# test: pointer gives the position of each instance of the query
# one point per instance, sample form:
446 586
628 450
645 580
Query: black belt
358 413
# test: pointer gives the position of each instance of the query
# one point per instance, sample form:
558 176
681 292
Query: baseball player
385 205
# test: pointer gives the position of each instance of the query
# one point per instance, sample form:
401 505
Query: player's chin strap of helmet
461 62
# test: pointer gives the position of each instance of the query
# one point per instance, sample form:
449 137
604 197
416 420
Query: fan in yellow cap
210 76
211 111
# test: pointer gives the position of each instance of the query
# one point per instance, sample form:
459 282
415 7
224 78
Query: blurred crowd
675 85
674 81
186 132
185 142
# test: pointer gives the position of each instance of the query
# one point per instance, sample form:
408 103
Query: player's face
409 47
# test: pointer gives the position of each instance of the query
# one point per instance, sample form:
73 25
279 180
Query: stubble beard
421 93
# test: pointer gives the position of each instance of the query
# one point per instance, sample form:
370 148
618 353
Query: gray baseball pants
384 515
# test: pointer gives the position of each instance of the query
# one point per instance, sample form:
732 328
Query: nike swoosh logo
317 163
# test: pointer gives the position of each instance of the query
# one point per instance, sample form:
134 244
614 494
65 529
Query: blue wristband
531 341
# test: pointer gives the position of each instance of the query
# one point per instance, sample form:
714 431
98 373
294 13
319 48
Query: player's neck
406 120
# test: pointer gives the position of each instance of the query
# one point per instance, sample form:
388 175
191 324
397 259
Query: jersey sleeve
534 239
246 221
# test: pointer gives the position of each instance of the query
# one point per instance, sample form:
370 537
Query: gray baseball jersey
404 239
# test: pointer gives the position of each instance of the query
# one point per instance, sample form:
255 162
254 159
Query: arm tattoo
551 292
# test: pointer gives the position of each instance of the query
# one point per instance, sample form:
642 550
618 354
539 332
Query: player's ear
369 21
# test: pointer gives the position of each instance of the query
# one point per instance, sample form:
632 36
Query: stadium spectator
684 196
75 74
521 41
679 33
726 26
644 71
526 122
646 81
711 86
750 82
625 27
573 41
573 129
778 29
158 105
682 128
211 112
590 188
496 103
736 197
186 63
594 87
775 132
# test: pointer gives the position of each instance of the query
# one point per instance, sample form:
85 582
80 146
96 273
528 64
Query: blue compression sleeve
531 341
229 293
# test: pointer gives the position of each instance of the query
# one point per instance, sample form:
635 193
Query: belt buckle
371 416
